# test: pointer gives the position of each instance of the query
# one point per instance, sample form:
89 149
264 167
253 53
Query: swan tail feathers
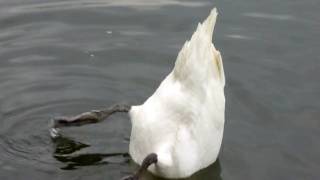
198 57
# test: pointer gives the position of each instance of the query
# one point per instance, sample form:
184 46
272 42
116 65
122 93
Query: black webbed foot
91 117
79 120
148 160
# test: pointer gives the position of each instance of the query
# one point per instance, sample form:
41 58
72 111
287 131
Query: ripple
239 36
278 17
74 4
27 149
31 59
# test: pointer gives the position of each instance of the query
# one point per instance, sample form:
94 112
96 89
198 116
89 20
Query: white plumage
183 121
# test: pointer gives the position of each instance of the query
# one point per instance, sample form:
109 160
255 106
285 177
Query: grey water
66 57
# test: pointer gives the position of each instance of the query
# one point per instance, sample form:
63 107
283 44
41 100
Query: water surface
67 57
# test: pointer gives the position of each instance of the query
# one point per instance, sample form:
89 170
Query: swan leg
94 116
149 160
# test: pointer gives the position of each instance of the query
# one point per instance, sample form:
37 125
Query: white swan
179 129
183 121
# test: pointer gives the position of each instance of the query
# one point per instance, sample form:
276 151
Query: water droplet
109 32
54 132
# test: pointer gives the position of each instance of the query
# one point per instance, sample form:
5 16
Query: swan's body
183 121
179 129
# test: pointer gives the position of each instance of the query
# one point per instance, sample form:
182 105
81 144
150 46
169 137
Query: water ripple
75 4
279 17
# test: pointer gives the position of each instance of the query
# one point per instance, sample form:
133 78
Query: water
67 57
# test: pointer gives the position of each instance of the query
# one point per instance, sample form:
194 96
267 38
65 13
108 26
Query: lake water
70 56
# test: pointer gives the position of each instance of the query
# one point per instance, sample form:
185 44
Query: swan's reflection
65 147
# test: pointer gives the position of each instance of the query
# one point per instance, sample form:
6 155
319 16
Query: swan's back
183 120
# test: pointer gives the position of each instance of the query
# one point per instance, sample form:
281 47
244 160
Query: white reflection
238 36
280 17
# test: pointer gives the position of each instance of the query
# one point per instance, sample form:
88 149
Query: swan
178 130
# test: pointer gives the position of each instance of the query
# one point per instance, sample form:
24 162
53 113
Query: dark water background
71 56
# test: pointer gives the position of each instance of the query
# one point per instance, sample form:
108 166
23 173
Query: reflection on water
65 149
67 57
65 145
279 17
